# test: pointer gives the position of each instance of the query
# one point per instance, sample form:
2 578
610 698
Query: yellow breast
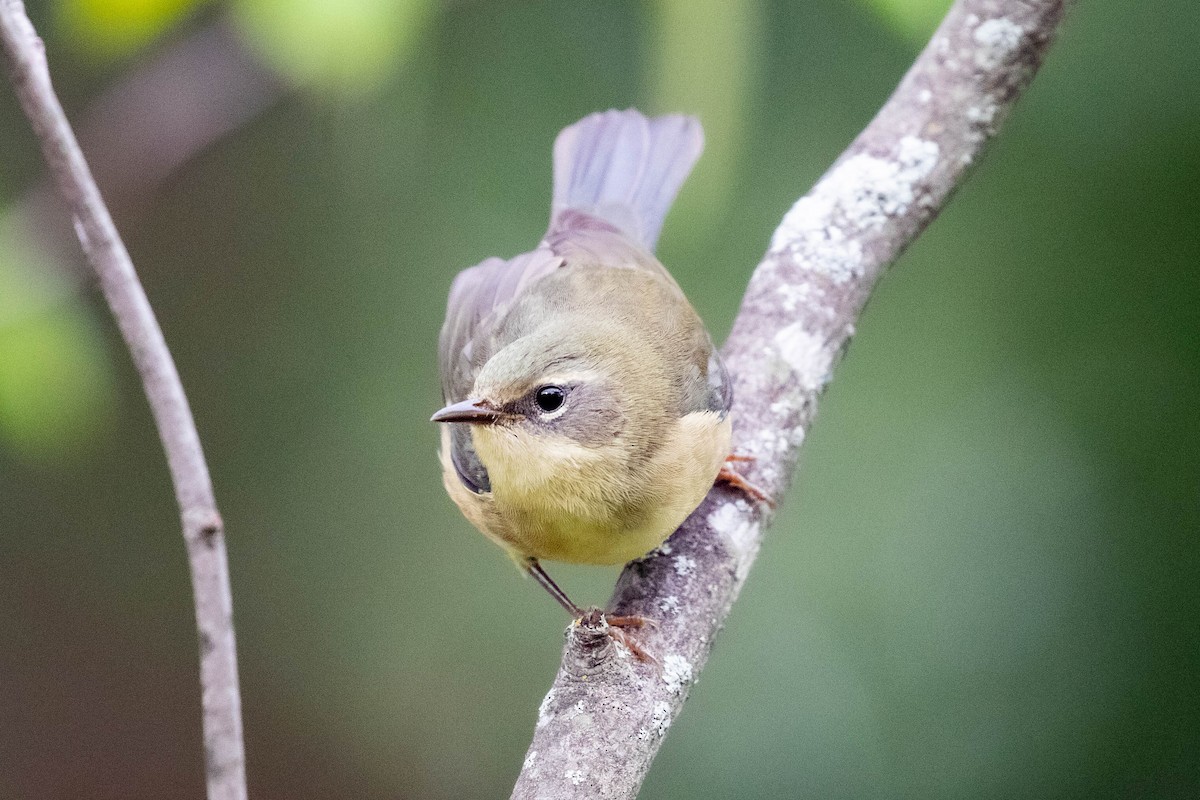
563 501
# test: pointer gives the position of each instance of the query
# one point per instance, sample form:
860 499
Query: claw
615 626
727 475
619 636
631 622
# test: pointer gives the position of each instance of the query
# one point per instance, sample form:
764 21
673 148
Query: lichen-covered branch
202 527
605 717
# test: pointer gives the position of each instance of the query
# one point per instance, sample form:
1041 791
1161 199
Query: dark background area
984 583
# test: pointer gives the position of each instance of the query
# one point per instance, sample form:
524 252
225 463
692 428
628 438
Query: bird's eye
550 398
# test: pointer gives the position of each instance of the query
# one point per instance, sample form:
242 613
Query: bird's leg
546 582
593 616
727 475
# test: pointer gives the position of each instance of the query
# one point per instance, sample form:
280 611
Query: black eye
550 398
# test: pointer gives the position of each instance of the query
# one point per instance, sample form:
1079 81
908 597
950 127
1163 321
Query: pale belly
553 535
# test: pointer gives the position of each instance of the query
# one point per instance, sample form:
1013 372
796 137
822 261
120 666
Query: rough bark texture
202 527
605 717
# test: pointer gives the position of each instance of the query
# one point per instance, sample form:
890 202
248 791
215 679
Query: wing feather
479 298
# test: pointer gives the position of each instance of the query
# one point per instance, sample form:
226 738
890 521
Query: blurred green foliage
705 63
55 378
914 19
984 583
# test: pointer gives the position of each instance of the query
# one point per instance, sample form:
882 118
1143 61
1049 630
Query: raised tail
624 168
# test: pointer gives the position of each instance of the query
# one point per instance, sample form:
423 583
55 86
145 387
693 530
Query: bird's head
562 402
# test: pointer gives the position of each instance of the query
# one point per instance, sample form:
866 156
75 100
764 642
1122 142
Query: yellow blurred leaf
54 382
341 46
111 28
56 385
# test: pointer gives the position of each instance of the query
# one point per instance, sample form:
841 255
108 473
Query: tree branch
203 529
605 717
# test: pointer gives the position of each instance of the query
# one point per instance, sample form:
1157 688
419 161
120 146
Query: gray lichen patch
684 565
676 673
737 526
858 195
998 40
545 715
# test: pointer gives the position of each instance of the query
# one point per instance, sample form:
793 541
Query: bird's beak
480 412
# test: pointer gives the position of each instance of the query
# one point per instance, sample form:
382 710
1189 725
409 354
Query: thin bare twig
606 715
203 529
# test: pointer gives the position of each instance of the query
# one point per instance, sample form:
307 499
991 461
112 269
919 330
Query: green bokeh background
984 584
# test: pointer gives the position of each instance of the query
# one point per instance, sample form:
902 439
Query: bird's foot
614 626
727 475
617 628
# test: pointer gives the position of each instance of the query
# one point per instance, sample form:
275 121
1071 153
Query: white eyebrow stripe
568 378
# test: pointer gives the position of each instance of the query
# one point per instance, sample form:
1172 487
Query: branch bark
606 714
203 529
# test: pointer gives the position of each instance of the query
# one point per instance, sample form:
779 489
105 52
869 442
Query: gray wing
483 294
479 298
718 385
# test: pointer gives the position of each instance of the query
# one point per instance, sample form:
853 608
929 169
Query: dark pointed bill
477 411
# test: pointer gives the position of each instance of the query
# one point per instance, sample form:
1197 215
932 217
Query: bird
587 411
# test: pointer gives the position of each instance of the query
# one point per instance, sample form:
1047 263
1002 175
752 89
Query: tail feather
624 168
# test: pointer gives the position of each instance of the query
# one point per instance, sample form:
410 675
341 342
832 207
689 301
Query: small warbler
587 411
